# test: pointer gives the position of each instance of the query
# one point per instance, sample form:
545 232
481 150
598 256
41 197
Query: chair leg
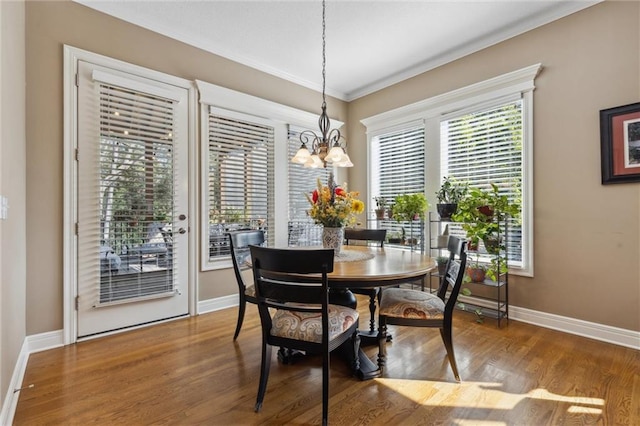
382 342
241 308
325 386
264 374
372 311
445 332
355 348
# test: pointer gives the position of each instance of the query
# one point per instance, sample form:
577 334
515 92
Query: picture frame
620 144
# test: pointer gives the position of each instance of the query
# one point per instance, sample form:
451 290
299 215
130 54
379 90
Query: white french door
132 200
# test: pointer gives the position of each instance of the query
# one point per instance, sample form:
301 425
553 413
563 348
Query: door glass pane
136 200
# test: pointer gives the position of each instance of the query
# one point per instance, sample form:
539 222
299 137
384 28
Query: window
484 147
398 167
240 177
481 134
247 178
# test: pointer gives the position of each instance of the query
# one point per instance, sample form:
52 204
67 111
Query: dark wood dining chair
293 303
415 308
378 236
239 243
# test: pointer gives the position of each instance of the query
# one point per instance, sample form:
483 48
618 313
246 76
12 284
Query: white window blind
136 194
240 179
400 163
485 147
398 167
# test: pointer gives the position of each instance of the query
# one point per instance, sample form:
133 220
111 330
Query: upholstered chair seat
307 326
406 303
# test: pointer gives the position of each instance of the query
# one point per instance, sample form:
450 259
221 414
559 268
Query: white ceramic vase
333 238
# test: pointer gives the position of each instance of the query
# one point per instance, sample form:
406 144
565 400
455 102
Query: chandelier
329 146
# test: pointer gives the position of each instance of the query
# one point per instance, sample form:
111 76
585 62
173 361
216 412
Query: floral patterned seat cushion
405 303
307 326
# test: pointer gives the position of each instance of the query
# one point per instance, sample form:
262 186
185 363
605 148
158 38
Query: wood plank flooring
189 372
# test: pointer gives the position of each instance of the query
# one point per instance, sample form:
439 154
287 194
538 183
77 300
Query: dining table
374 267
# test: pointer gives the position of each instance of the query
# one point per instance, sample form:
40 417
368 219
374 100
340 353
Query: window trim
282 116
433 110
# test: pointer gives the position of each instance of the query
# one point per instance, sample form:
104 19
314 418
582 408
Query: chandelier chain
324 56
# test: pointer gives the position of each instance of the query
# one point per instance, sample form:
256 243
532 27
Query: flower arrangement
333 206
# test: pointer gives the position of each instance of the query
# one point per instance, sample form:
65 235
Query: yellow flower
333 206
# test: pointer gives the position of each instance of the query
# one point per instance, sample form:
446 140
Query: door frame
70 128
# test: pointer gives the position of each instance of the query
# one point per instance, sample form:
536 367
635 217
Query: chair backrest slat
377 235
291 275
452 278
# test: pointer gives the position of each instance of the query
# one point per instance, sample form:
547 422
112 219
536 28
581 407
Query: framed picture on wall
620 144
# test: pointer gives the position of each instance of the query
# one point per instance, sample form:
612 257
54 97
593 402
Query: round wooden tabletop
387 266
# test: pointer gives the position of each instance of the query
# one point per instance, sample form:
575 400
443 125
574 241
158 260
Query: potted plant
442 264
390 210
449 196
381 204
409 207
395 237
480 212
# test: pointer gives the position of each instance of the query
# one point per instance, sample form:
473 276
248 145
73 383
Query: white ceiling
370 44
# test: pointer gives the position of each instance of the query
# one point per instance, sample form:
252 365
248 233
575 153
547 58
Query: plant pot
395 240
379 213
389 213
477 275
446 210
412 241
486 210
442 267
472 245
492 244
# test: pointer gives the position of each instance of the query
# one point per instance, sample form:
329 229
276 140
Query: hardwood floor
190 371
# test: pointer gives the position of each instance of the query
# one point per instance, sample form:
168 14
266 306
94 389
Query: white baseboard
11 398
592 330
218 303
44 341
31 344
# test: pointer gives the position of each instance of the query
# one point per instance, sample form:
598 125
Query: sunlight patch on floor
574 409
484 395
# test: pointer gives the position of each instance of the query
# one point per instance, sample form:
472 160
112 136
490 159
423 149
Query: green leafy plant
481 210
451 192
410 206
442 263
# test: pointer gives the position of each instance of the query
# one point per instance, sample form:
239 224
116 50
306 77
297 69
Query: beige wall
587 252
50 25
12 186
587 245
